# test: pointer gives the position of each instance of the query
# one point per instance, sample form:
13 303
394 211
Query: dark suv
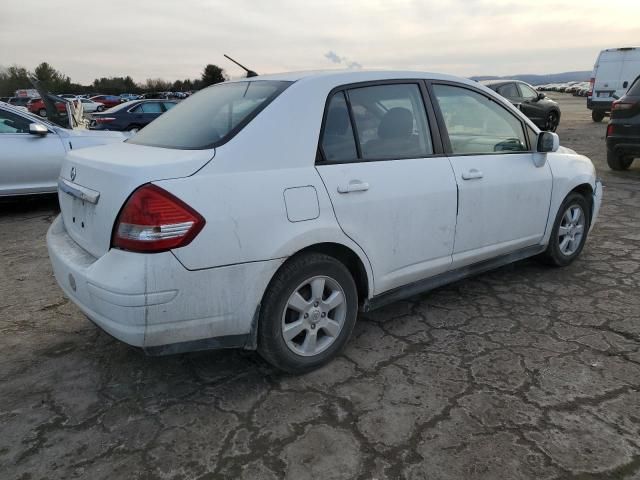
542 111
623 131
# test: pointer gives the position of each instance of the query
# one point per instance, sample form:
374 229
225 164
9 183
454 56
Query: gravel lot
527 372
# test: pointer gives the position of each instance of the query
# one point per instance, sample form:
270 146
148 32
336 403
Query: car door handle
353 186
472 174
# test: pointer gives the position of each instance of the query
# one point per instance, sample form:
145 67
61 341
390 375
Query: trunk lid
95 183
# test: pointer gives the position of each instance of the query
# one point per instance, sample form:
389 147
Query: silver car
32 150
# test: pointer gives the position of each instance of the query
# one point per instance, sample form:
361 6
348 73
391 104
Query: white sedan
89 106
266 212
32 150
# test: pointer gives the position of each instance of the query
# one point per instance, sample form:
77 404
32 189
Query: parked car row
576 88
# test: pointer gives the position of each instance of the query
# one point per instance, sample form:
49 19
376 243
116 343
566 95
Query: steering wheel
509 145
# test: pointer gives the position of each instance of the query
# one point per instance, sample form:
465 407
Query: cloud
335 58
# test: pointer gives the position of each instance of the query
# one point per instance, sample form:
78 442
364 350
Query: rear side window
338 143
475 124
391 121
211 116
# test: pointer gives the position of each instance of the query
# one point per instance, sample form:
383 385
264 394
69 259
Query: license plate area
604 94
81 215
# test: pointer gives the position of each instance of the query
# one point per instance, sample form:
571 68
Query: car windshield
210 117
118 107
634 91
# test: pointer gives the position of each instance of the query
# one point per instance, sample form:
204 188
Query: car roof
499 81
341 77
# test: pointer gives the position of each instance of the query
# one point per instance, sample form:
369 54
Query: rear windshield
634 90
211 116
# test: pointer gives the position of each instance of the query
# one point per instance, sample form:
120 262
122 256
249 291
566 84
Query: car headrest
396 123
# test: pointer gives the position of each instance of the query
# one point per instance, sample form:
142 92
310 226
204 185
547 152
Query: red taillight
609 130
153 220
592 82
618 105
104 119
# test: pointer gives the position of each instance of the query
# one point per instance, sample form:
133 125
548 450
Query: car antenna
250 73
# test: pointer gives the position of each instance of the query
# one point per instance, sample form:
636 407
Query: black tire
617 161
100 108
133 128
597 115
553 255
552 121
271 343
42 112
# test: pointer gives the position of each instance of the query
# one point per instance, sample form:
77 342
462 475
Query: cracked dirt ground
526 372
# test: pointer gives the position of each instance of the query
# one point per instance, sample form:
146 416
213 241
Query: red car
36 105
108 100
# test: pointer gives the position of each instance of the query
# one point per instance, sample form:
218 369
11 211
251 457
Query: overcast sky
175 39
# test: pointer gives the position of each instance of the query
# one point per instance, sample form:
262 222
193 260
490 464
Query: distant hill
543 79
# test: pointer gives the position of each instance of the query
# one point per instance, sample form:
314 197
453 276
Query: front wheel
617 161
308 313
569 232
552 121
42 112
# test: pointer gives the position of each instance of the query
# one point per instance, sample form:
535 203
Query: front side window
508 90
338 143
391 121
528 93
10 123
475 124
211 116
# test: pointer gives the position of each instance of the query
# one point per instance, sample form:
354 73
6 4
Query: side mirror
548 142
38 129
541 95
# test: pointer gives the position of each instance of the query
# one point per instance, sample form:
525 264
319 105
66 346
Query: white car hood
566 150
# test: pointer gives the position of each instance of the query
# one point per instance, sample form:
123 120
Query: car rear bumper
603 105
152 301
629 145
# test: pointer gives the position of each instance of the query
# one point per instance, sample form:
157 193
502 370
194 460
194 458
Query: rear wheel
42 112
100 108
133 128
617 161
597 115
308 313
569 232
552 121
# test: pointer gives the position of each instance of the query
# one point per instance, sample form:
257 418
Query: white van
614 72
